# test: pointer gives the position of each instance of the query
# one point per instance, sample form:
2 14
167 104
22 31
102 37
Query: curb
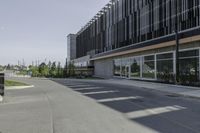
184 95
188 96
172 93
1 99
18 87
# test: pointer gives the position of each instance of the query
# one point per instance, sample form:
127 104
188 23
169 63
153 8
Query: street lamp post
177 44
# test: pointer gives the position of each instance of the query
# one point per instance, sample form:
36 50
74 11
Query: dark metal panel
128 22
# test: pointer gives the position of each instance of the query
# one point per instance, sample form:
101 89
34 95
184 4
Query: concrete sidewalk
186 91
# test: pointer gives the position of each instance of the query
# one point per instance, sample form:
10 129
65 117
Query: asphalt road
92 106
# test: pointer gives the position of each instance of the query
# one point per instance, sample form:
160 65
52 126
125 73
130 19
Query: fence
2 80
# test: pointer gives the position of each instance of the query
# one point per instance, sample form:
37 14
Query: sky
36 30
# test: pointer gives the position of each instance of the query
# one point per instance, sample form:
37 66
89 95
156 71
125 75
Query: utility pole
177 76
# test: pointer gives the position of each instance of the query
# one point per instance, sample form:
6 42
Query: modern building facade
83 64
136 39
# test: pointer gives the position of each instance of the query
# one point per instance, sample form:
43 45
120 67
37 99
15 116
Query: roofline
104 9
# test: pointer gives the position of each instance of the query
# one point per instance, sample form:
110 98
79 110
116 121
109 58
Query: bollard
2 81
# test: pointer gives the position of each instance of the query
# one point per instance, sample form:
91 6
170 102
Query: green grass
14 83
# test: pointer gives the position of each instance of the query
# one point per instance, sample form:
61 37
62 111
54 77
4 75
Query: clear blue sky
37 29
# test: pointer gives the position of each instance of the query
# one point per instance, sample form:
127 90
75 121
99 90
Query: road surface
92 106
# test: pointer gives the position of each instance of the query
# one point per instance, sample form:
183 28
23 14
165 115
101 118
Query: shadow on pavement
154 110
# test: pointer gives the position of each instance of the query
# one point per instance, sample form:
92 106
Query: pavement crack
50 111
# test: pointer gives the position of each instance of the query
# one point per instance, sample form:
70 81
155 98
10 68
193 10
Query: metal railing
2 81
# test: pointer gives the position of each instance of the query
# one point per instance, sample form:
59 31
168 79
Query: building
83 64
71 47
136 39
2 80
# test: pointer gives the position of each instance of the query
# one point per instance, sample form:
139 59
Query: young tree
71 70
8 67
59 70
1 68
53 70
43 70
65 70
34 71
49 68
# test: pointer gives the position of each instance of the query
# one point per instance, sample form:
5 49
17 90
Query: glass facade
117 67
161 67
148 67
125 68
165 67
135 67
189 66
124 25
124 22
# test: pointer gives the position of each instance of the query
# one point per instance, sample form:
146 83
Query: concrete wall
71 46
104 68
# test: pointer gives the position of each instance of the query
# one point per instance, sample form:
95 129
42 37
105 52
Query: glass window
117 67
165 56
191 53
148 67
125 68
189 66
165 67
1 80
135 67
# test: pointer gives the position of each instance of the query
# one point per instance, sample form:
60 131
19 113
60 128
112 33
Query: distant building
71 47
136 39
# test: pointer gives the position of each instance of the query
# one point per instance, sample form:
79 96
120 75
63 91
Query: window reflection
148 67
160 67
165 67
189 66
125 68
135 67
117 67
